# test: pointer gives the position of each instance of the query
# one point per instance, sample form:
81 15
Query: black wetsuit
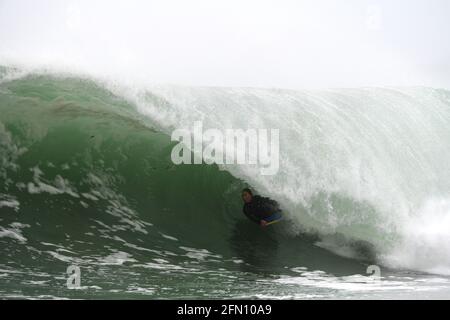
260 208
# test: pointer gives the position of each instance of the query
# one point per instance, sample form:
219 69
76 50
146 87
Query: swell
83 160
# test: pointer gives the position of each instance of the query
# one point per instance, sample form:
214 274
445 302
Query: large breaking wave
83 158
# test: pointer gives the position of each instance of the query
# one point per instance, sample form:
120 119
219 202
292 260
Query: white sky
280 43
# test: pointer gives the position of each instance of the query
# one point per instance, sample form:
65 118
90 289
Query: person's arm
257 220
251 216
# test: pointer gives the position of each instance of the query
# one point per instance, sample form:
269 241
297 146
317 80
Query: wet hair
247 190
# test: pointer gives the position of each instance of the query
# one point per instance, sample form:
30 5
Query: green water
87 181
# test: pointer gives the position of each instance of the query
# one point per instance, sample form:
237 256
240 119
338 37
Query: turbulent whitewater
87 180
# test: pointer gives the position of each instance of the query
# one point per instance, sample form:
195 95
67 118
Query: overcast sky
282 43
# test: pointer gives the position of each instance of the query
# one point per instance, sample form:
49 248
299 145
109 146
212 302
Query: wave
82 157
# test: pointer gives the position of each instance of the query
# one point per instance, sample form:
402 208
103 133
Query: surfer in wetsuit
258 208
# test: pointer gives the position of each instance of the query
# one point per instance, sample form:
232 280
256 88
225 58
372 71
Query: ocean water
87 181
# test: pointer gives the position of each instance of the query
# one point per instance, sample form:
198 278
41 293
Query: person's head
247 195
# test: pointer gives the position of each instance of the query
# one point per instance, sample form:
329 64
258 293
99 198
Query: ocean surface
87 182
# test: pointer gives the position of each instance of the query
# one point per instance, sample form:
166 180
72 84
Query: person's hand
263 223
